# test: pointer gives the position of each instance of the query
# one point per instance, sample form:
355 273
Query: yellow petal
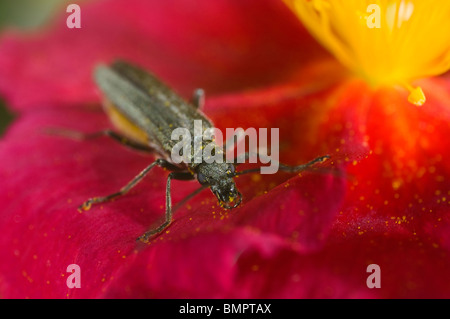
386 42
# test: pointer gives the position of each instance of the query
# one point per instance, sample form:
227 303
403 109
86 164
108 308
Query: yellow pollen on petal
386 42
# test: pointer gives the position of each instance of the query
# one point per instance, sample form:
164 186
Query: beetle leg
168 217
198 98
282 167
96 200
122 139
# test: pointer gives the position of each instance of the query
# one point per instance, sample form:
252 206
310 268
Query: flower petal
402 187
44 232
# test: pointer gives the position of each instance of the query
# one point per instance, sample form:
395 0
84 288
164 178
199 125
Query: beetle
145 111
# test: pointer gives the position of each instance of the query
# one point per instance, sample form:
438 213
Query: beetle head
219 178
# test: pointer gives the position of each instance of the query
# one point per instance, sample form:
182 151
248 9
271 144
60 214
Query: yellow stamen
386 42
416 95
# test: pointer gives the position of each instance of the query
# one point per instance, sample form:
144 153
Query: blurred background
26 16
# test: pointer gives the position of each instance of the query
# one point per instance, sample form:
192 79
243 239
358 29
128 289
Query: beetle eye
231 169
201 178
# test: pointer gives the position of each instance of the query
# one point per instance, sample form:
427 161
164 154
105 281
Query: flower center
386 42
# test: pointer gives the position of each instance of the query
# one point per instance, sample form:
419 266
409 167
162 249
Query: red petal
287 242
402 188
44 232
409 269
245 264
